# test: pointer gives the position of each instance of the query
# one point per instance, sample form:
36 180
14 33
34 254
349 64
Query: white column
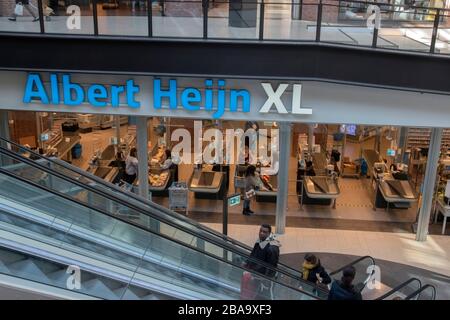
4 124
310 137
117 120
429 184
283 176
142 153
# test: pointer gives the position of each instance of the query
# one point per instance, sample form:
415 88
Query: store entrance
340 176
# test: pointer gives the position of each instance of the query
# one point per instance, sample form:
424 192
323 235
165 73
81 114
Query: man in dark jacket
344 289
265 249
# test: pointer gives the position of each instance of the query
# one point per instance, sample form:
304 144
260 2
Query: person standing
26 5
251 183
267 250
131 167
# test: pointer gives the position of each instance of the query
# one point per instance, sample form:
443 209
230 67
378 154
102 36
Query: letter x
256 309
274 98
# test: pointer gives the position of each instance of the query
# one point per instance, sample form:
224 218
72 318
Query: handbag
250 194
18 10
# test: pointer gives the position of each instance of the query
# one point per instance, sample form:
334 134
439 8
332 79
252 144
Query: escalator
77 184
131 219
427 292
403 290
47 216
115 256
411 290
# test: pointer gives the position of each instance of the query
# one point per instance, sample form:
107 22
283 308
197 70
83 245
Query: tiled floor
275 28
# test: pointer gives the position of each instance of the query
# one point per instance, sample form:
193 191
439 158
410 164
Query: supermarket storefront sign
213 96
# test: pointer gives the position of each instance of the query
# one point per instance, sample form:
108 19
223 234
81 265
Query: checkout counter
270 188
159 180
63 149
392 190
210 181
371 157
105 165
318 190
102 165
322 189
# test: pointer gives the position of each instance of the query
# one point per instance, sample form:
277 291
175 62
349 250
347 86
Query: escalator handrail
397 288
418 292
131 195
96 179
178 242
352 263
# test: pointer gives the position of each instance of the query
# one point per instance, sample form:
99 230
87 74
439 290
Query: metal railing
424 29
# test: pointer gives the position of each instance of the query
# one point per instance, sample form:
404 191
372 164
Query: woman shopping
251 184
131 167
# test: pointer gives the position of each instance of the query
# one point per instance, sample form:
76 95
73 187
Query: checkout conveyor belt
320 161
273 180
371 157
397 190
319 187
106 173
206 181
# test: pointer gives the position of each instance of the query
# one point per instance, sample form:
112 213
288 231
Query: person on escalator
131 166
267 250
344 289
314 272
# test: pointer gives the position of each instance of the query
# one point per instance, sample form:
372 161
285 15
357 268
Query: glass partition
69 17
15 18
179 19
233 19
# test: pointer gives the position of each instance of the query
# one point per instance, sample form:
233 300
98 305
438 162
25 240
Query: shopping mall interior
348 177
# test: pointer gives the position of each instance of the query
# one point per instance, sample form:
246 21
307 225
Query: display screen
391 152
44 137
350 129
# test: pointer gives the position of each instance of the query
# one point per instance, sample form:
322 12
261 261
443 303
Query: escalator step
97 288
151 297
28 270
127 295
3 268
9 257
47 267
58 278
